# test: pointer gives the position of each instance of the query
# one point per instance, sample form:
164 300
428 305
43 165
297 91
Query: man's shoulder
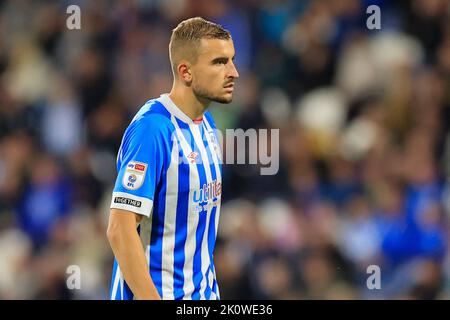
210 119
153 117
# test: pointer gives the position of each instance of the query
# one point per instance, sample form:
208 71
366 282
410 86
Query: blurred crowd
364 120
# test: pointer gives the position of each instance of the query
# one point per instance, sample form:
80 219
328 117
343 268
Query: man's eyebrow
220 59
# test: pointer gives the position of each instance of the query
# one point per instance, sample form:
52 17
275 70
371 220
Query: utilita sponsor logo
208 192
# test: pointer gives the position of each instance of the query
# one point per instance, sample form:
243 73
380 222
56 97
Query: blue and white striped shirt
170 171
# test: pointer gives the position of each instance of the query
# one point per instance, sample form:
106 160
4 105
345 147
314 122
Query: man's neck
188 102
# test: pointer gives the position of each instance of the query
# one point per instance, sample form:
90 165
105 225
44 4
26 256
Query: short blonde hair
185 39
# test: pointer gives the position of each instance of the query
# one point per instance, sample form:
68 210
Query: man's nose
233 73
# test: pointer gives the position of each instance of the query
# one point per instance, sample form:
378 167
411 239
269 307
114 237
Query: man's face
214 72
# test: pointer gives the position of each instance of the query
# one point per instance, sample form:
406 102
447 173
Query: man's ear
184 72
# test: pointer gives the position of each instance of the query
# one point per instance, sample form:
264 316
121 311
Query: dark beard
205 94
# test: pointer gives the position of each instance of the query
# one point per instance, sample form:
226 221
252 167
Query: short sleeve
139 164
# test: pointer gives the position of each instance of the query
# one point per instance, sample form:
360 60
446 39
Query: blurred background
364 119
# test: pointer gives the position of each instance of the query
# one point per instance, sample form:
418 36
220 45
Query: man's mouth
229 87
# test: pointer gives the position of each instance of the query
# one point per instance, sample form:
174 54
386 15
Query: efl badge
134 175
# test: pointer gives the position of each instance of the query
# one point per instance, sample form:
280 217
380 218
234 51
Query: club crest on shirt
215 144
134 175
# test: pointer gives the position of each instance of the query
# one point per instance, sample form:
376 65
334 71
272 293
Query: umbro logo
192 156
